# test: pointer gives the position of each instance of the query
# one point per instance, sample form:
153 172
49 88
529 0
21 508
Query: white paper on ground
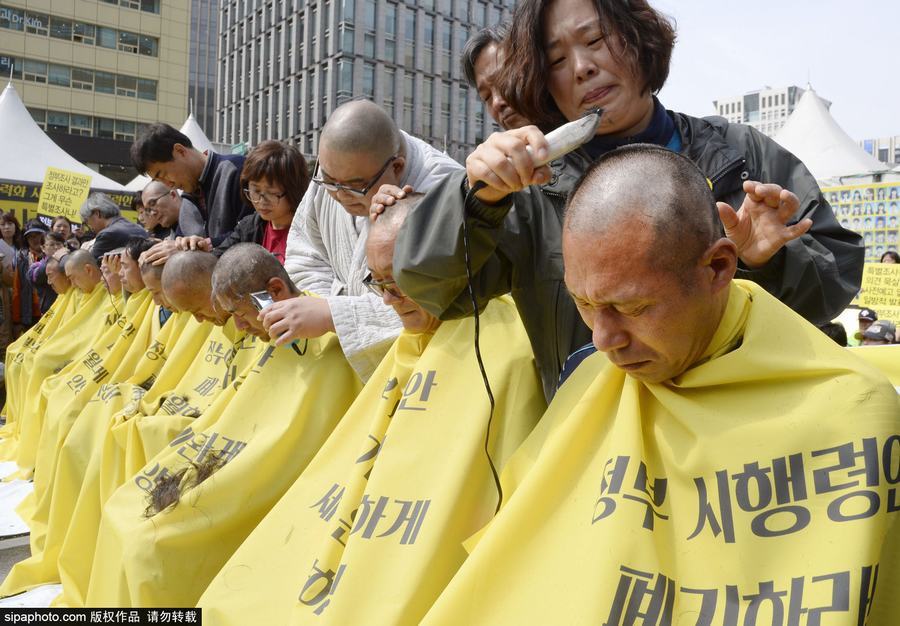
37 598
11 494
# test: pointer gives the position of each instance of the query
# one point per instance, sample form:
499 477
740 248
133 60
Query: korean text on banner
63 193
881 290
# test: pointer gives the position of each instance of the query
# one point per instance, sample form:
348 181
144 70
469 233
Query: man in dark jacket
113 231
212 182
515 244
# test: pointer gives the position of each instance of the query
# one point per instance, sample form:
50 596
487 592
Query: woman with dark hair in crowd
890 256
11 231
273 180
26 305
564 58
37 273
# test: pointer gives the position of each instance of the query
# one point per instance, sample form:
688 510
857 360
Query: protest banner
881 290
63 193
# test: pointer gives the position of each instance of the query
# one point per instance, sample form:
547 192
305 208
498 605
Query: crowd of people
401 389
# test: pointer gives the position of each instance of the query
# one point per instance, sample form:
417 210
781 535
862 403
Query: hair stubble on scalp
245 268
678 206
188 272
363 127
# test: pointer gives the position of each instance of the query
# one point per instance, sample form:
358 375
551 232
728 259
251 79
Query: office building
204 47
885 149
94 72
285 66
765 109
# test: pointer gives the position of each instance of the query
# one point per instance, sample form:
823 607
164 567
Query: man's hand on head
160 253
297 318
759 229
194 242
386 196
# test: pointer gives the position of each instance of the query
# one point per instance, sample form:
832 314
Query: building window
345 71
128 42
13 19
37 23
82 79
58 121
81 125
347 38
40 117
83 33
104 127
369 80
35 71
390 32
146 89
60 75
348 11
126 86
106 37
149 46
410 36
60 28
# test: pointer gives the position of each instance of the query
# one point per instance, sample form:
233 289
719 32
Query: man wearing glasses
163 205
360 149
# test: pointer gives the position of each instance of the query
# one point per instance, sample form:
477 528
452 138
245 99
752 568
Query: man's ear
178 150
398 165
721 260
278 289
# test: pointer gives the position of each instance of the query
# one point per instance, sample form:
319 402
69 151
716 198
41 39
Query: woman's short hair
891 253
647 35
278 163
9 217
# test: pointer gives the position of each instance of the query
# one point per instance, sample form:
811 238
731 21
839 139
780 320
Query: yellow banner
881 290
63 193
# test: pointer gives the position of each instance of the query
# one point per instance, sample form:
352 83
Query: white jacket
326 254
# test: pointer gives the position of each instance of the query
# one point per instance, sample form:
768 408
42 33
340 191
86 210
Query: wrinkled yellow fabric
885 358
715 498
98 312
201 367
278 415
401 482
15 375
113 357
55 508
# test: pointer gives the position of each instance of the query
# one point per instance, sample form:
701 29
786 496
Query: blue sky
848 50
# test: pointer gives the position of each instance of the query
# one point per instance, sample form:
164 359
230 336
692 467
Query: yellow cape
112 357
760 482
401 481
264 432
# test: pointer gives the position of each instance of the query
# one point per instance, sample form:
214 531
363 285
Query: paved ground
12 555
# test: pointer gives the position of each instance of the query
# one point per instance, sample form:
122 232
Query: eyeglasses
263 197
380 287
331 186
150 204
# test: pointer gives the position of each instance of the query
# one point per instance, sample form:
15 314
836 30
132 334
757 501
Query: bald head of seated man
649 270
380 255
361 149
82 270
245 269
187 285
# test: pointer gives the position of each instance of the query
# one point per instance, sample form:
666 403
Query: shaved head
364 127
248 268
655 188
153 189
187 285
388 224
82 270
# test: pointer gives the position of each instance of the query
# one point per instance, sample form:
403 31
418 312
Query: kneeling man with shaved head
718 460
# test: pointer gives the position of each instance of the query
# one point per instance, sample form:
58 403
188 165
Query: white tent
823 146
198 138
28 151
